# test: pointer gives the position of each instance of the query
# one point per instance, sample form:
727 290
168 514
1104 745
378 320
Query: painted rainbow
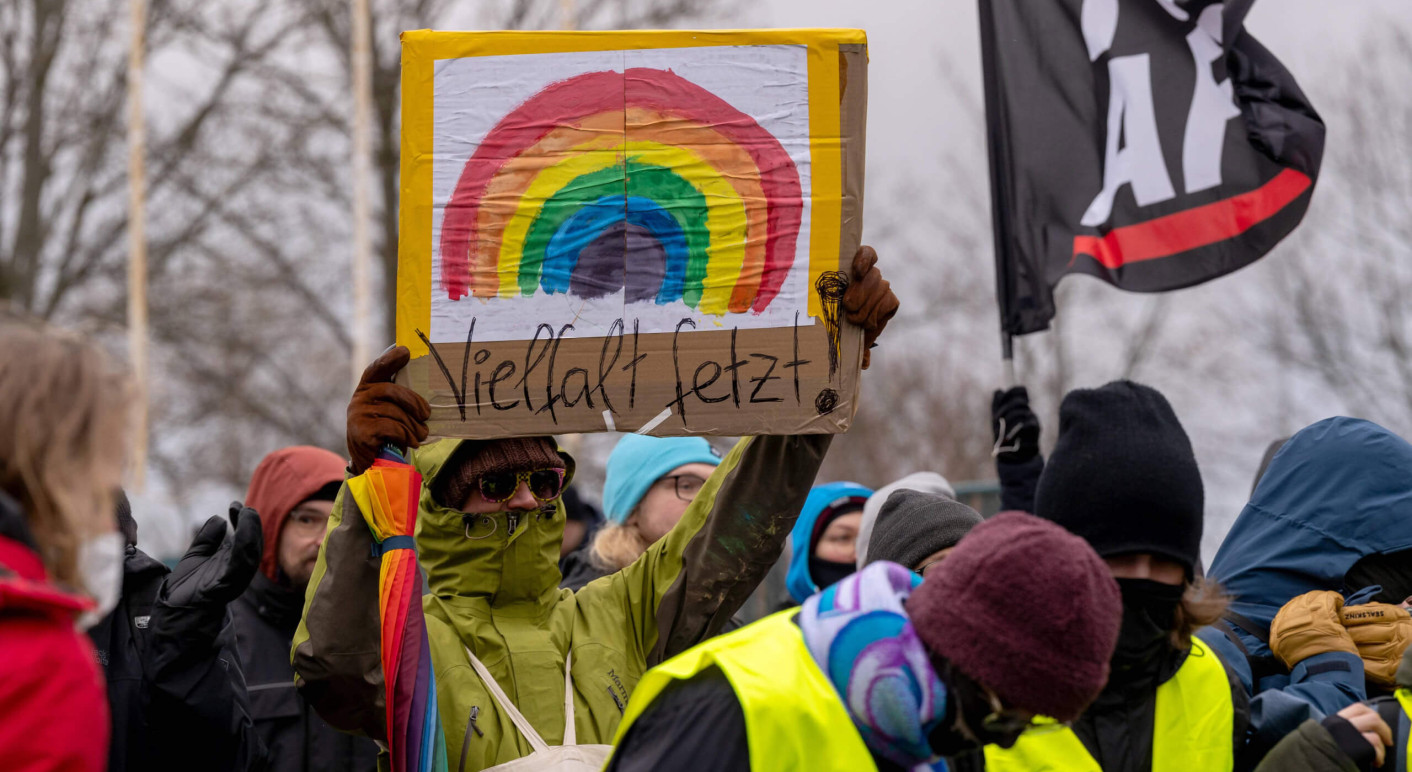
637 181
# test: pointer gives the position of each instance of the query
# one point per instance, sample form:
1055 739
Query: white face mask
100 565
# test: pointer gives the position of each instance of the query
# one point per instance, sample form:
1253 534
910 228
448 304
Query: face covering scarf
859 634
1149 611
827 572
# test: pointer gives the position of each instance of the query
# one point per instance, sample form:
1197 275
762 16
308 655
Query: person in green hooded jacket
491 561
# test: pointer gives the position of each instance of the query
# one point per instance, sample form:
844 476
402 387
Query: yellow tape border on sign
421 49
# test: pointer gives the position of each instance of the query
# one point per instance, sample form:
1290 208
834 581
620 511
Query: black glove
1014 426
215 570
198 704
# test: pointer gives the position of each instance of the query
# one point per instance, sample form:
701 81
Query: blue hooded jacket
1337 491
798 581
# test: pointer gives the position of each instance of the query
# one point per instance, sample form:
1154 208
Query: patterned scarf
859 634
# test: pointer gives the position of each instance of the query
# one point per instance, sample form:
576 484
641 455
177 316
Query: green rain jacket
499 596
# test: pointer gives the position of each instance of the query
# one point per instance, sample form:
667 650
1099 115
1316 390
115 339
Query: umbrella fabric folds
387 495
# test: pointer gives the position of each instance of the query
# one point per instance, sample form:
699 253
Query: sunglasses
545 485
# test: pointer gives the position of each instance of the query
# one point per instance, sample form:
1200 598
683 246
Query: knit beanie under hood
913 525
926 482
1123 475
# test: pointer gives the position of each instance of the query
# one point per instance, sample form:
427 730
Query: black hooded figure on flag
1153 144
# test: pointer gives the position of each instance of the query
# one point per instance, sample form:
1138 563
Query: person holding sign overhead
505 641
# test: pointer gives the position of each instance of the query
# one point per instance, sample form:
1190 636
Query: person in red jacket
61 556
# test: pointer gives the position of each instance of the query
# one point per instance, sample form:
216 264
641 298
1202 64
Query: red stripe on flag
1193 228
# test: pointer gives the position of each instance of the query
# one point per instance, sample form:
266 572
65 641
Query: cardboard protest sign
631 231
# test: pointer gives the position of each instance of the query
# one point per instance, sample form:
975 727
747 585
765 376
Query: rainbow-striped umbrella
387 495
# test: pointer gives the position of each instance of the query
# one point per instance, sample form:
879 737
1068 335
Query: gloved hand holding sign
384 413
869 301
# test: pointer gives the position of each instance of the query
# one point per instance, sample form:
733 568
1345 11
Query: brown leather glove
869 300
1310 624
1381 631
383 413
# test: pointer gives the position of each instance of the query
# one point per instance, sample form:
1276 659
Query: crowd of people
1079 629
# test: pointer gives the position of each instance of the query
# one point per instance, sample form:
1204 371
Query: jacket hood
799 581
503 561
1337 491
285 479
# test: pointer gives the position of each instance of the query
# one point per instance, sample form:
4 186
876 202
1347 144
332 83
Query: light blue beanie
638 461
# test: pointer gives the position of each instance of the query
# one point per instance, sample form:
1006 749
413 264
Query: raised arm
686 586
336 652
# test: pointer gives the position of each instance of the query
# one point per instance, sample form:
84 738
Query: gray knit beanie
913 525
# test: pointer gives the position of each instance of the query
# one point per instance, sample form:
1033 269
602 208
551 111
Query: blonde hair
62 421
616 546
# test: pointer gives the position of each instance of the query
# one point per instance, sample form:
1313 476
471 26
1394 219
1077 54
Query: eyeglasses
545 485
686 485
307 523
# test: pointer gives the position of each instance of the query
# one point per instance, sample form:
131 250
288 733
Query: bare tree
248 176
328 107
1339 309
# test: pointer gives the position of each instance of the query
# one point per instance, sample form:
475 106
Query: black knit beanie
1123 476
912 525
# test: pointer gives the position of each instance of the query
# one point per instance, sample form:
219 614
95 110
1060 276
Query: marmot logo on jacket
620 696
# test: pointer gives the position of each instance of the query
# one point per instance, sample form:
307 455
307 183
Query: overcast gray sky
910 41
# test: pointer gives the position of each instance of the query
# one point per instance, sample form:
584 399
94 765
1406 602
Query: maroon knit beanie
472 459
1026 609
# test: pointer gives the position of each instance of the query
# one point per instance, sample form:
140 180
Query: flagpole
1007 353
137 240
362 175
994 143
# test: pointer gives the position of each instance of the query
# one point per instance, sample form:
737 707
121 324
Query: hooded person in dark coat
293 490
1336 497
828 523
175 687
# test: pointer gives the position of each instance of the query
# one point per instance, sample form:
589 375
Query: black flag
1151 143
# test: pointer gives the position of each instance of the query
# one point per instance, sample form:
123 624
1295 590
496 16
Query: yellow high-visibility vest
1193 728
1404 698
794 718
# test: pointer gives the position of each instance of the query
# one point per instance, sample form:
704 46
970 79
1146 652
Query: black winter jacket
1117 728
266 617
578 569
197 711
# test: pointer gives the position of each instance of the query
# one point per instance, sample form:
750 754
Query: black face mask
1144 641
826 572
1392 571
